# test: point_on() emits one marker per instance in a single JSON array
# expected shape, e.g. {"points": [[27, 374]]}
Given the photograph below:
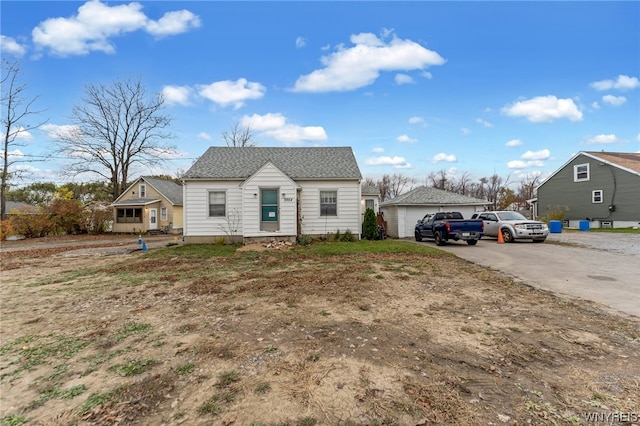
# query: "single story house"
{"points": [[402, 212], [260, 193], [602, 188], [149, 205]]}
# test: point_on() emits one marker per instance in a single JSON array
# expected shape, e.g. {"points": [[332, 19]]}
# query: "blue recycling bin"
{"points": [[555, 226], [584, 225]]}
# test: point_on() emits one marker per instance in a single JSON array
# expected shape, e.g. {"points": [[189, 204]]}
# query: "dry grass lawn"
{"points": [[367, 333]]}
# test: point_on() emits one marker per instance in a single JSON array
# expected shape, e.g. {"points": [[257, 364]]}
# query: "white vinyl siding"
{"points": [[269, 177], [197, 221], [348, 214], [240, 199]]}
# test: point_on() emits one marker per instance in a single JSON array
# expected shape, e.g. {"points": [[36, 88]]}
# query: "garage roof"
{"points": [[424, 195]]}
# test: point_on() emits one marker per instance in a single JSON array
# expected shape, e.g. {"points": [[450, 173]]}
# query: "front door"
{"points": [[153, 218], [269, 217]]}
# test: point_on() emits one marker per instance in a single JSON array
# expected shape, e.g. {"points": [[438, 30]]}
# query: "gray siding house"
{"points": [[402, 212], [259, 193], [600, 187]]}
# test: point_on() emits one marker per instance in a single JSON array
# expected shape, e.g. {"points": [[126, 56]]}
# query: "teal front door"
{"points": [[269, 217]]}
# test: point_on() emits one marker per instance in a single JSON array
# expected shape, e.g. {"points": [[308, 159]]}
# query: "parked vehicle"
{"points": [[445, 226], [513, 226]]}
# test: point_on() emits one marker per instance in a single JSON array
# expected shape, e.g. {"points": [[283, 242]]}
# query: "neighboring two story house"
{"points": [[258, 193], [149, 205], [602, 188]]}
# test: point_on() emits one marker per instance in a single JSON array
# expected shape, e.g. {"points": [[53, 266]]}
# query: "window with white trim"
{"points": [[217, 204], [143, 190], [581, 172], [369, 204], [163, 214], [596, 196], [328, 203]]}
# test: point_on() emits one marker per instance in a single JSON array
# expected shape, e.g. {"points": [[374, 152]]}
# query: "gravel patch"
{"points": [[625, 244]]}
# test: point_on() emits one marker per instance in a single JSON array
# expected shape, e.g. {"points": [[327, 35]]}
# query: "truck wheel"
{"points": [[418, 236], [506, 235], [472, 242], [438, 238]]}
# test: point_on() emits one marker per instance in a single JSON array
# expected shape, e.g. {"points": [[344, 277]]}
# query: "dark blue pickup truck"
{"points": [[445, 226]]}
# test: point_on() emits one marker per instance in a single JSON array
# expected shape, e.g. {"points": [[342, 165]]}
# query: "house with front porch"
{"points": [[149, 205]]}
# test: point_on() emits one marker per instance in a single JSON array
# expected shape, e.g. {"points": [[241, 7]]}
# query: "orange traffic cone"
{"points": [[500, 237]]}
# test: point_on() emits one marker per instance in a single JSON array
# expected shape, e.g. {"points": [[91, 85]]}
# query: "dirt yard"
{"points": [[179, 335]]}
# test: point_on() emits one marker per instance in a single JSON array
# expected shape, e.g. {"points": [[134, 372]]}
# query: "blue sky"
{"points": [[514, 88]]}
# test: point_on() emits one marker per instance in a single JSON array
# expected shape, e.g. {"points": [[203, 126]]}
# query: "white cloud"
{"points": [[396, 162], [514, 142], [543, 109], [378, 150], [277, 127], [530, 159], [204, 135], [23, 134], [427, 75], [235, 93], [519, 164], [483, 123], [92, 28], [10, 45], [638, 137], [359, 66], [465, 131], [16, 154], [622, 83], [403, 79], [543, 154], [56, 131], [595, 105], [602, 139], [177, 95], [171, 23], [438, 158], [300, 42], [416, 120], [406, 139], [614, 100]]}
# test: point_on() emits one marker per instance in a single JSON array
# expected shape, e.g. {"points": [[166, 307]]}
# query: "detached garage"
{"points": [[402, 212]]}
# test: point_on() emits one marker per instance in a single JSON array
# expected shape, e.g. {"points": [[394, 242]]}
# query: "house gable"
{"points": [[594, 186], [254, 208]]}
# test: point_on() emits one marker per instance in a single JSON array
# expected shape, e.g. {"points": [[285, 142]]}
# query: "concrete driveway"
{"points": [[600, 267]]}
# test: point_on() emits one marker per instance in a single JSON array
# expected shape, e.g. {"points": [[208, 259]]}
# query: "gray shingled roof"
{"points": [[171, 190], [368, 189], [425, 195], [297, 163]]}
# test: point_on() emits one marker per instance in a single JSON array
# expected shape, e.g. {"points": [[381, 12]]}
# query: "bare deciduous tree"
{"points": [[390, 186], [492, 187], [238, 136], [117, 127], [16, 111], [527, 188]]}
